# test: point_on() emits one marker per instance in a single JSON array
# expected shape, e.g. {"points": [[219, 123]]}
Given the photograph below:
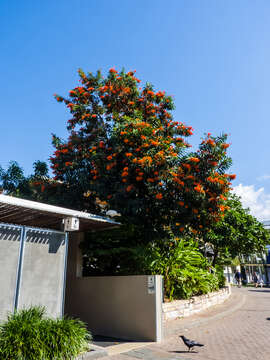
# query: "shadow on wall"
{"points": [[53, 240], [8, 233]]}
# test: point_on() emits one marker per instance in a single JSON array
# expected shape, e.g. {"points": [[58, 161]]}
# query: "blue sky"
{"points": [[212, 56]]}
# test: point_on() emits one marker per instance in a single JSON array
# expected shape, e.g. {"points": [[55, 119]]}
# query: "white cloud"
{"points": [[263, 177], [258, 201]]}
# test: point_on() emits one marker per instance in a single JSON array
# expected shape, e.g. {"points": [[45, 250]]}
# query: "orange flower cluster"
{"points": [[129, 188], [210, 142], [186, 166], [215, 180], [110, 166], [189, 177], [199, 188], [146, 160], [193, 159]]}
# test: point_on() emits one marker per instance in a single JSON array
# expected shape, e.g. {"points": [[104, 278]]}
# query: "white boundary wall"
{"points": [[127, 307]]}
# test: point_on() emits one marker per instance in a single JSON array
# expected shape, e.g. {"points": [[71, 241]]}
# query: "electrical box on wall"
{"points": [[71, 224]]}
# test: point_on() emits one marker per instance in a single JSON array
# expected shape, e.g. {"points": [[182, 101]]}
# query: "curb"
{"points": [[126, 347], [183, 308], [96, 352], [199, 322]]}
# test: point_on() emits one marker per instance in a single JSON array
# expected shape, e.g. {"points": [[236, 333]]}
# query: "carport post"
{"points": [[19, 268], [65, 274]]}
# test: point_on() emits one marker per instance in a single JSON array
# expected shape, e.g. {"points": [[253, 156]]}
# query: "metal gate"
{"points": [[32, 269]]}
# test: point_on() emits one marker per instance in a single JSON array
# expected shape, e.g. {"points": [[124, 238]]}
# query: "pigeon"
{"points": [[190, 343]]}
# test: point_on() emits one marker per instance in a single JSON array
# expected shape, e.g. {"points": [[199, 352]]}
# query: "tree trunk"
{"points": [[215, 258]]}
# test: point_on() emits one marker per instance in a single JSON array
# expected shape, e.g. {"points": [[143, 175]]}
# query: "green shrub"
{"points": [[29, 335], [192, 282], [220, 276], [184, 269]]}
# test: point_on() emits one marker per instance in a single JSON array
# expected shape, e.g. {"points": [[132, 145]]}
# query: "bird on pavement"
{"points": [[189, 343]]}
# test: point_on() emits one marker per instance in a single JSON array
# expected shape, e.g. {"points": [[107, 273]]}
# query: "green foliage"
{"points": [[114, 257], [237, 234], [220, 276], [38, 186], [116, 251], [186, 272], [13, 180], [15, 183], [40, 169], [29, 335]]}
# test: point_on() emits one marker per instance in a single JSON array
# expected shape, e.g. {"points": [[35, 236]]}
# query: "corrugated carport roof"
{"points": [[31, 213]]}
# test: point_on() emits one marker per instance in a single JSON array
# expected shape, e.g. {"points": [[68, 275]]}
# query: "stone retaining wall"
{"points": [[183, 308]]}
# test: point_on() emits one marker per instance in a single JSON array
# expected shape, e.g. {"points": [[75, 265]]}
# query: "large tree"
{"points": [[125, 152]]}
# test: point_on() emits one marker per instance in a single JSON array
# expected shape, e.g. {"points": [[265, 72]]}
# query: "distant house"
{"points": [[252, 264]]}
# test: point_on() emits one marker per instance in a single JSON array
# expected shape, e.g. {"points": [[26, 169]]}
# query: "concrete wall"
{"points": [[32, 269], [9, 256], [127, 307], [43, 271]]}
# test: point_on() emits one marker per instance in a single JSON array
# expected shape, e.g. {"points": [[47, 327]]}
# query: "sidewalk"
{"points": [[242, 334], [238, 329], [235, 301]]}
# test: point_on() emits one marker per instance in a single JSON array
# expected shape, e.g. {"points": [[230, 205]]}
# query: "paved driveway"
{"points": [[237, 330]]}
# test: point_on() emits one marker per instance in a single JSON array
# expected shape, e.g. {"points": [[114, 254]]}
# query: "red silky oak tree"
{"points": [[126, 152]]}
